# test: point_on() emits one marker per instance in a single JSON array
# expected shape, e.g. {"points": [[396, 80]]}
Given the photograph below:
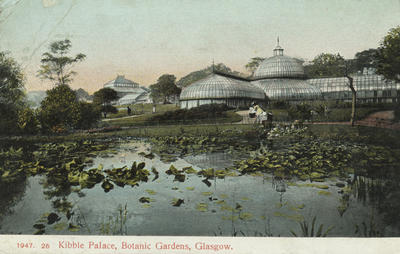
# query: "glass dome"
{"points": [[279, 66], [288, 89], [216, 86]]}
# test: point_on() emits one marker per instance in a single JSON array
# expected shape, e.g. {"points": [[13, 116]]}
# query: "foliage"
{"points": [[61, 111], [365, 59], [164, 88], [253, 64], [200, 74], [300, 112], [89, 114], [103, 97], [56, 65], [211, 111], [28, 122], [326, 65], [388, 55], [11, 93]]}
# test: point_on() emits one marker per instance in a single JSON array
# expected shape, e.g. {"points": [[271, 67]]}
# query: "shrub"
{"points": [[28, 122], [210, 111]]}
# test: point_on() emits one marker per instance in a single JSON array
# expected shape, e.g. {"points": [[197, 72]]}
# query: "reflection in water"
{"points": [[57, 205], [279, 185], [11, 193]]}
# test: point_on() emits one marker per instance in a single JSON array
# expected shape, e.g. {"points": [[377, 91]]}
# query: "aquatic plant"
{"points": [[311, 230]]}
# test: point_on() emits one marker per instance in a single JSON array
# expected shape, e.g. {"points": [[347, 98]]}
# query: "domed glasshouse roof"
{"points": [[288, 89], [279, 66], [219, 86]]}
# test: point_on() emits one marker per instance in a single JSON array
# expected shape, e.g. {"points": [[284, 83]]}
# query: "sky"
{"points": [[146, 39]]}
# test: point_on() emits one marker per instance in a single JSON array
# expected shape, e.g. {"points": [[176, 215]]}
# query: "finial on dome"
{"points": [[278, 51]]}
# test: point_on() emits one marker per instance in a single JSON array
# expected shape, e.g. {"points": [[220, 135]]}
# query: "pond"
{"points": [[204, 193]]}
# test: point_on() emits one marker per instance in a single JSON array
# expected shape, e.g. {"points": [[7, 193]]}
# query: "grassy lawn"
{"points": [[335, 114], [145, 120]]}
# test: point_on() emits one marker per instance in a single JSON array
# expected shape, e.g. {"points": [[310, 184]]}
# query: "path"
{"points": [[117, 118]]}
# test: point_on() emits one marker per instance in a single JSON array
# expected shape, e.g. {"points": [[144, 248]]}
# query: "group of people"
{"points": [[255, 111]]}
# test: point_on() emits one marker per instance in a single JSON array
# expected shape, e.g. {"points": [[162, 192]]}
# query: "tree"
{"points": [[11, 93], [197, 75], [56, 65], [103, 99], [164, 88], [388, 55], [326, 65], [253, 64], [365, 59], [61, 111]]}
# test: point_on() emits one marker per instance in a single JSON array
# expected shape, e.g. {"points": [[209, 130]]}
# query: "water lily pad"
{"points": [[230, 217], [326, 193], [39, 232], [107, 186], [60, 226], [202, 207], [221, 202], [146, 205], [207, 193], [151, 192], [73, 228], [179, 177], [295, 217], [208, 183], [149, 156], [39, 226], [144, 200], [223, 196], [172, 170], [178, 202], [189, 170], [52, 217], [245, 216], [190, 188]]}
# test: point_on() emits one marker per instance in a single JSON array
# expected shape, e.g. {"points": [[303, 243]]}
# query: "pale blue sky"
{"points": [[145, 39]]}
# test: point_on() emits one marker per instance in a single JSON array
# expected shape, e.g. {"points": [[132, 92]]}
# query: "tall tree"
{"points": [[365, 59], [326, 65], [11, 92], [164, 88], [388, 55], [103, 98], [56, 65], [253, 64]]}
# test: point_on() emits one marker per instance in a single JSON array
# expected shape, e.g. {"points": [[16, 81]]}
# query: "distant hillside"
{"points": [[83, 95], [197, 75], [34, 98]]}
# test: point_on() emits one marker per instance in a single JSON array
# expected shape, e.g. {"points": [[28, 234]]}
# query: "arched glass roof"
{"points": [[216, 86], [288, 89], [279, 66]]}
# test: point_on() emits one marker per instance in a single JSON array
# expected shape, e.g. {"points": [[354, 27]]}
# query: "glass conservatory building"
{"points": [[370, 88], [128, 91], [283, 79], [220, 88]]}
